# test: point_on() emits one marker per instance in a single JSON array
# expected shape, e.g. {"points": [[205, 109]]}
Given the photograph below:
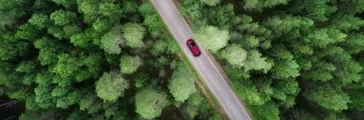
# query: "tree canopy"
{"points": [[111, 86], [182, 85], [212, 38], [89, 59], [149, 103]]}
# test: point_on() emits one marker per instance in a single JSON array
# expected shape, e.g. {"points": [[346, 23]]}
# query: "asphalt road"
{"points": [[204, 65]]}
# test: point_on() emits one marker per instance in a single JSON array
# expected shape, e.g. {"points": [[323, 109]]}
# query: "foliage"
{"points": [[110, 41], [211, 2], [235, 55], [288, 59], [86, 59], [149, 103], [212, 38], [129, 64], [111, 86], [133, 34], [182, 85], [62, 18]]}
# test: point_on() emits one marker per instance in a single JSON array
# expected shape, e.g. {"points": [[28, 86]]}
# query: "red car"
{"points": [[193, 47]]}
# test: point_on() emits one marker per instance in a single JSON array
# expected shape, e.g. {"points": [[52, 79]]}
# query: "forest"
{"points": [[287, 59], [92, 59], [115, 59]]}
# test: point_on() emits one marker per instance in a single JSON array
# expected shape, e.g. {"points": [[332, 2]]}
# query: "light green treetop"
{"points": [[133, 34], [235, 55], [182, 85], [212, 38], [149, 103], [111, 86], [129, 64]]}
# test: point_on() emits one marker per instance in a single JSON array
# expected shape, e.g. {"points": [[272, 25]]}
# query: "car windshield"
{"points": [[192, 44]]}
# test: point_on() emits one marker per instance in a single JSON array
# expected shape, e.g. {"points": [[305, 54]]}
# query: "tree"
{"points": [[110, 41], [255, 61], [133, 34], [39, 20], [111, 86], [286, 24], [10, 47], [102, 25], [268, 111], [346, 22], [62, 18], [318, 10], [10, 11], [196, 98], [27, 32], [260, 4], [211, 2], [235, 55], [146, 9], [110, 9], [129, 64], [66, 3], [80, 40], [149, 103], [67, 65], [26, 67], [182, 85], [89, 9], [190, 110], [323, 37], [129, 6], [328, 97], [212, 38]]}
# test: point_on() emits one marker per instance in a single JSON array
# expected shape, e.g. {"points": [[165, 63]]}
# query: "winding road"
{"points": [[204, 64]]}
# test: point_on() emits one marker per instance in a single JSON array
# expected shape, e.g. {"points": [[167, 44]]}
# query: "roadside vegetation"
{"points": [[287, 59], [92, 59]]}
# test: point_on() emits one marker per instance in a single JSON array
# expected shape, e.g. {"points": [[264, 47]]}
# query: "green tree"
{"points": [[255, 61], [39, 20], [10, 11], [133, 34], [66, 3], [235, 55], [66, 65], [89, 9], [111, 86], [211, 2], [182, 85], [10, 47], [110, 9], [212, 38], [129, 6], [110, 41], [102, 25], [80, 40], [268, 111], [62, 18], [26, 67], [318, 10], [149, 103], [328, 97], [129, 64]]}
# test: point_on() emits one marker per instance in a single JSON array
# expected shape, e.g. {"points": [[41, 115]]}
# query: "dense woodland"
{"points": [[92, 59], [287, 59], [114, 59]]}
